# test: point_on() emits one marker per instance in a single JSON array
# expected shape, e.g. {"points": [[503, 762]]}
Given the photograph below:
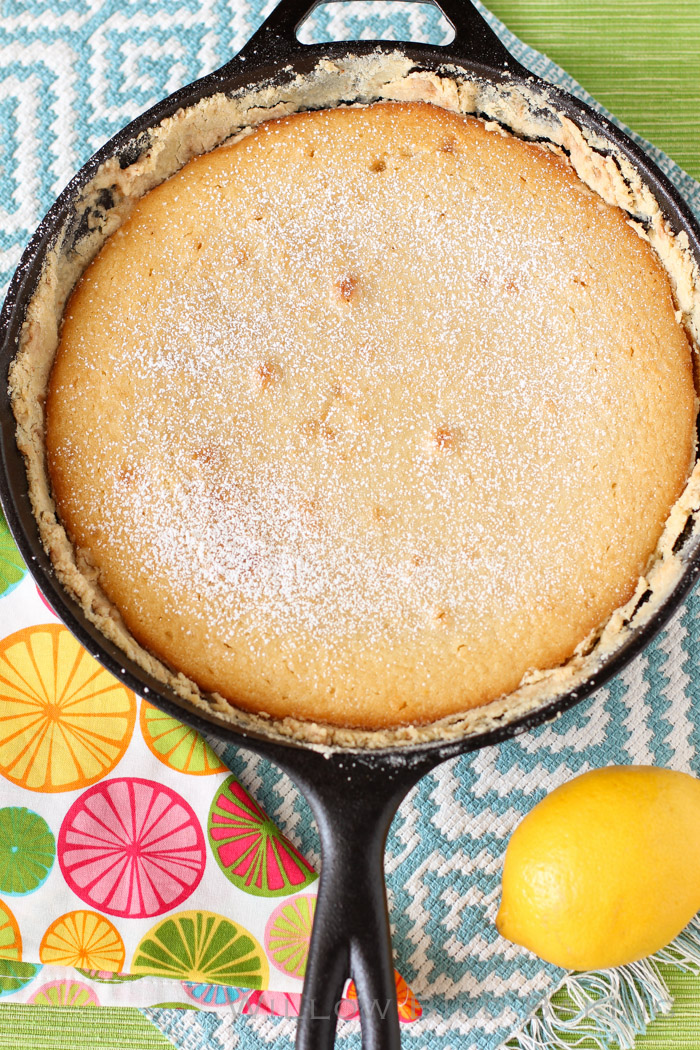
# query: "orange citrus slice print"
{"points": [[176, 745], [14, 974], [10, 937], [83, 939], [65, 722], [408, 1006]]}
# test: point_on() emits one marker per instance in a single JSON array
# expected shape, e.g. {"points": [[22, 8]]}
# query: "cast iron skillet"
{"points": [[353, 793]]}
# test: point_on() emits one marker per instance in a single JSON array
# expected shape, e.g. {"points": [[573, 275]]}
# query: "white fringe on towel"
{"points": [[608, 1006]]}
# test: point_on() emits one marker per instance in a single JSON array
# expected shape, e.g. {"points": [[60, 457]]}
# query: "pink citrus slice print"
{"points": [[131, 847], [288, 1004], [279, 1004], [106, 977], [43, 599], [288, 934], [250, 850], [64, 993]]}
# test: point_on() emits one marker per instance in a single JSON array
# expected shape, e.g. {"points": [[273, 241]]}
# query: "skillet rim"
{"points": [[274, 65]]}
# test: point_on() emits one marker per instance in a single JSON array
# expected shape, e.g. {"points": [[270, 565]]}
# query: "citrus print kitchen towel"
{"points": [[134, 868]]}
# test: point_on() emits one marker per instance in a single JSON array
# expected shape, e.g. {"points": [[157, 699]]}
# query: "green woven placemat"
{"points": [[71, 1027], [679, 1030], [639, 58]]}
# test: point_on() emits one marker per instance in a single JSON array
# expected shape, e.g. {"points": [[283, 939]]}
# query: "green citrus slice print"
{"points": [[288, 934], [16, 975], [173, 1006], [250, 849], [64, 993], [27, 850], [12, 568], [176, 745], [202, 946]]}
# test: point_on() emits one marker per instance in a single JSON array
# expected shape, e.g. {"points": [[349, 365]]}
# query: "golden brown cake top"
{"points": [[364, 416]]}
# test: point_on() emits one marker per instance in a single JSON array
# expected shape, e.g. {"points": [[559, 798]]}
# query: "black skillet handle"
{"points": [[474, 39], [350, 933], [354, 799]]}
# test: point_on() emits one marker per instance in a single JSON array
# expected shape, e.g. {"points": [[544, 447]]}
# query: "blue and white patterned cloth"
{"points": [[72, 72]]}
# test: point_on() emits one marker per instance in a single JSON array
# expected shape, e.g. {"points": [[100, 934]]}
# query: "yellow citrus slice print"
{"points": [[201, 946], [176, 745], [10, 937], [65, 722], [83, 939]]}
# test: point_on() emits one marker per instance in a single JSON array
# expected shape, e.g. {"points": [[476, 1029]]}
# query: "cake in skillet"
{"points": [[366, 415]]}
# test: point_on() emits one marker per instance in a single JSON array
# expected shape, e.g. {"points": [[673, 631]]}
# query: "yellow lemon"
{"points": [[605, 869]]}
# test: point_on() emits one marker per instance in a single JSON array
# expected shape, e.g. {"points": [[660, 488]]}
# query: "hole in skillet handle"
{"points": [[414, 21], [474, 40]]}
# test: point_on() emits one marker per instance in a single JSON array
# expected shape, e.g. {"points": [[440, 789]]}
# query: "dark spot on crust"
{"points": [[444, 438], [346, 287], [268, 373]]}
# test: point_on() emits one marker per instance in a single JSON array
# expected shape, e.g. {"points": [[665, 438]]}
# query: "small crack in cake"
{"points": [[366, 415]]}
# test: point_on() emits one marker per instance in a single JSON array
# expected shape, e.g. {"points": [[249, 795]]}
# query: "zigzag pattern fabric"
{"points": [[72, 73]]}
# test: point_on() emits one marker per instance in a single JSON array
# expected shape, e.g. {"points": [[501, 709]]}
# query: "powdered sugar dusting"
{"points": [[372, 392]]}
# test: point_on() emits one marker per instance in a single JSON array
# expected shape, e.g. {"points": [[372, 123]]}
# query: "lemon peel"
{"points": [[605, 870]]}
